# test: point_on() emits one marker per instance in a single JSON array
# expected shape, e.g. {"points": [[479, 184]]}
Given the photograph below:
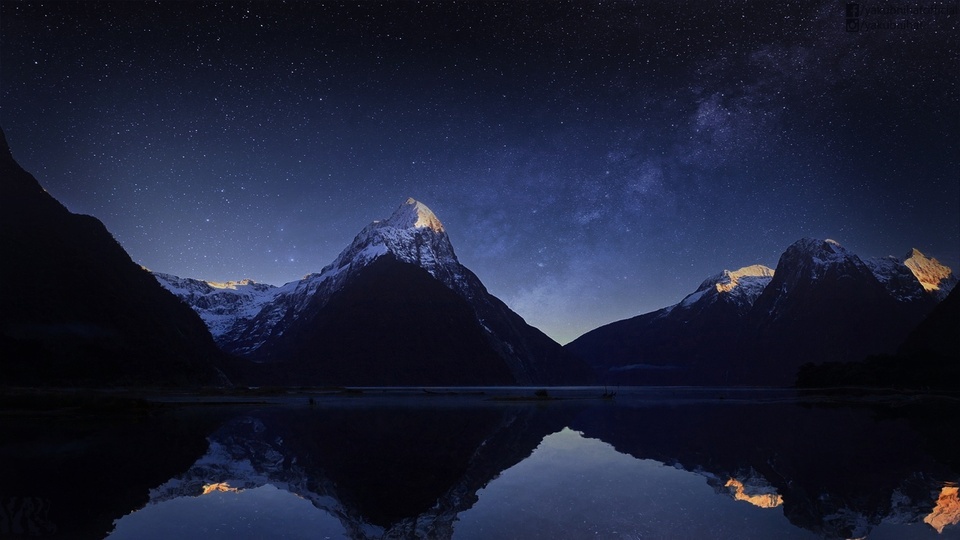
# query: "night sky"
{"points": [[590, 161]]}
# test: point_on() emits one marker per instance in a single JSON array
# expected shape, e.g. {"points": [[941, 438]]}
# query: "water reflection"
{"points": [[261, 512], [399, 469], [71, 475], [840, 471], [465, 467], [947, 510], [578, 487], [756, 491]]}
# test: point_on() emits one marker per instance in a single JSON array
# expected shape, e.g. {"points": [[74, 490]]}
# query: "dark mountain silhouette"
{"points": [[76, 309], [824, 304], [939, 334], [688, 343], [928, 359], [393, 324], [757, 327], [395, 308]]}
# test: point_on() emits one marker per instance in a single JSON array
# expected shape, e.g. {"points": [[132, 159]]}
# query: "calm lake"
{"points": [[501, 463]]}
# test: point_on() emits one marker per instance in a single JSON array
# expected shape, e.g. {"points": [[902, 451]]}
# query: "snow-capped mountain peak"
{"points": [[294, 324], [746, 276], [813, 258], [913, 277], [933, 276], [412, 234], [413, 214], [240, 285], [219, 304], [822, 251], [740, 287], [896, 278]]}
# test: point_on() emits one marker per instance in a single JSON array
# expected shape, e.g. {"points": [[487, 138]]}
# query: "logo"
{"points": [[853, 17]]}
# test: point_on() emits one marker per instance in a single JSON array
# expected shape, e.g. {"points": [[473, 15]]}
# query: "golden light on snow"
{"points": [[762, 500], [947, 510], [929, 272], [229, 284], [219, 486], [425, 216], [726, 287], [732, 279]]}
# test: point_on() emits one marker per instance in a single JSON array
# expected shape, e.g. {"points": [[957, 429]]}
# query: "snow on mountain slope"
{"points": [[413, 234], [246, 312], [913, 277], [935, 277], [744, 280], [896, 277], [822, 302], [807, 264], [909, 279], [813, 257], [739, 287], [283, 324], [220, 305]]}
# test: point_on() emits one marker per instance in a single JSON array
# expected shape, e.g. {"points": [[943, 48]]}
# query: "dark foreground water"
{"points": [[650, 463]]}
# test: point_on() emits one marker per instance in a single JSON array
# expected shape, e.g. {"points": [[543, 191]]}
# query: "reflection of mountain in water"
{"points": [[755, 490], [837, 471], [407, 467], [384, 471], [947, 510], [72, 475]]}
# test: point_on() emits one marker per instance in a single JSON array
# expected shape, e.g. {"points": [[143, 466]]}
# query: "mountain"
{"points": [[939, 334], [76, 309], [913, 277], [825, 304], [928, 358], [220, 305], [757, 326], [396, 307], [679, 344], [897, 278]]}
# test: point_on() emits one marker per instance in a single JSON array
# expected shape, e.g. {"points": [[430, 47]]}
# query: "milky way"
{"points": [[590, 161]]}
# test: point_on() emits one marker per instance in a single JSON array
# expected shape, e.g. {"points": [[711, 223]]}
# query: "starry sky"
{"points": [[590, 161]]}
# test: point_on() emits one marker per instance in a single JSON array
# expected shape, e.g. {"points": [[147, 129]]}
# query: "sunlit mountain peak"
{"points": [[931, 274], [729, 280], [231, 284], [414, 214]]}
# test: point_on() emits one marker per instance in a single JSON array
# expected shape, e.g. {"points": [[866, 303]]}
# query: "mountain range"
{"points": [[396, 307], [757, 326]]}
